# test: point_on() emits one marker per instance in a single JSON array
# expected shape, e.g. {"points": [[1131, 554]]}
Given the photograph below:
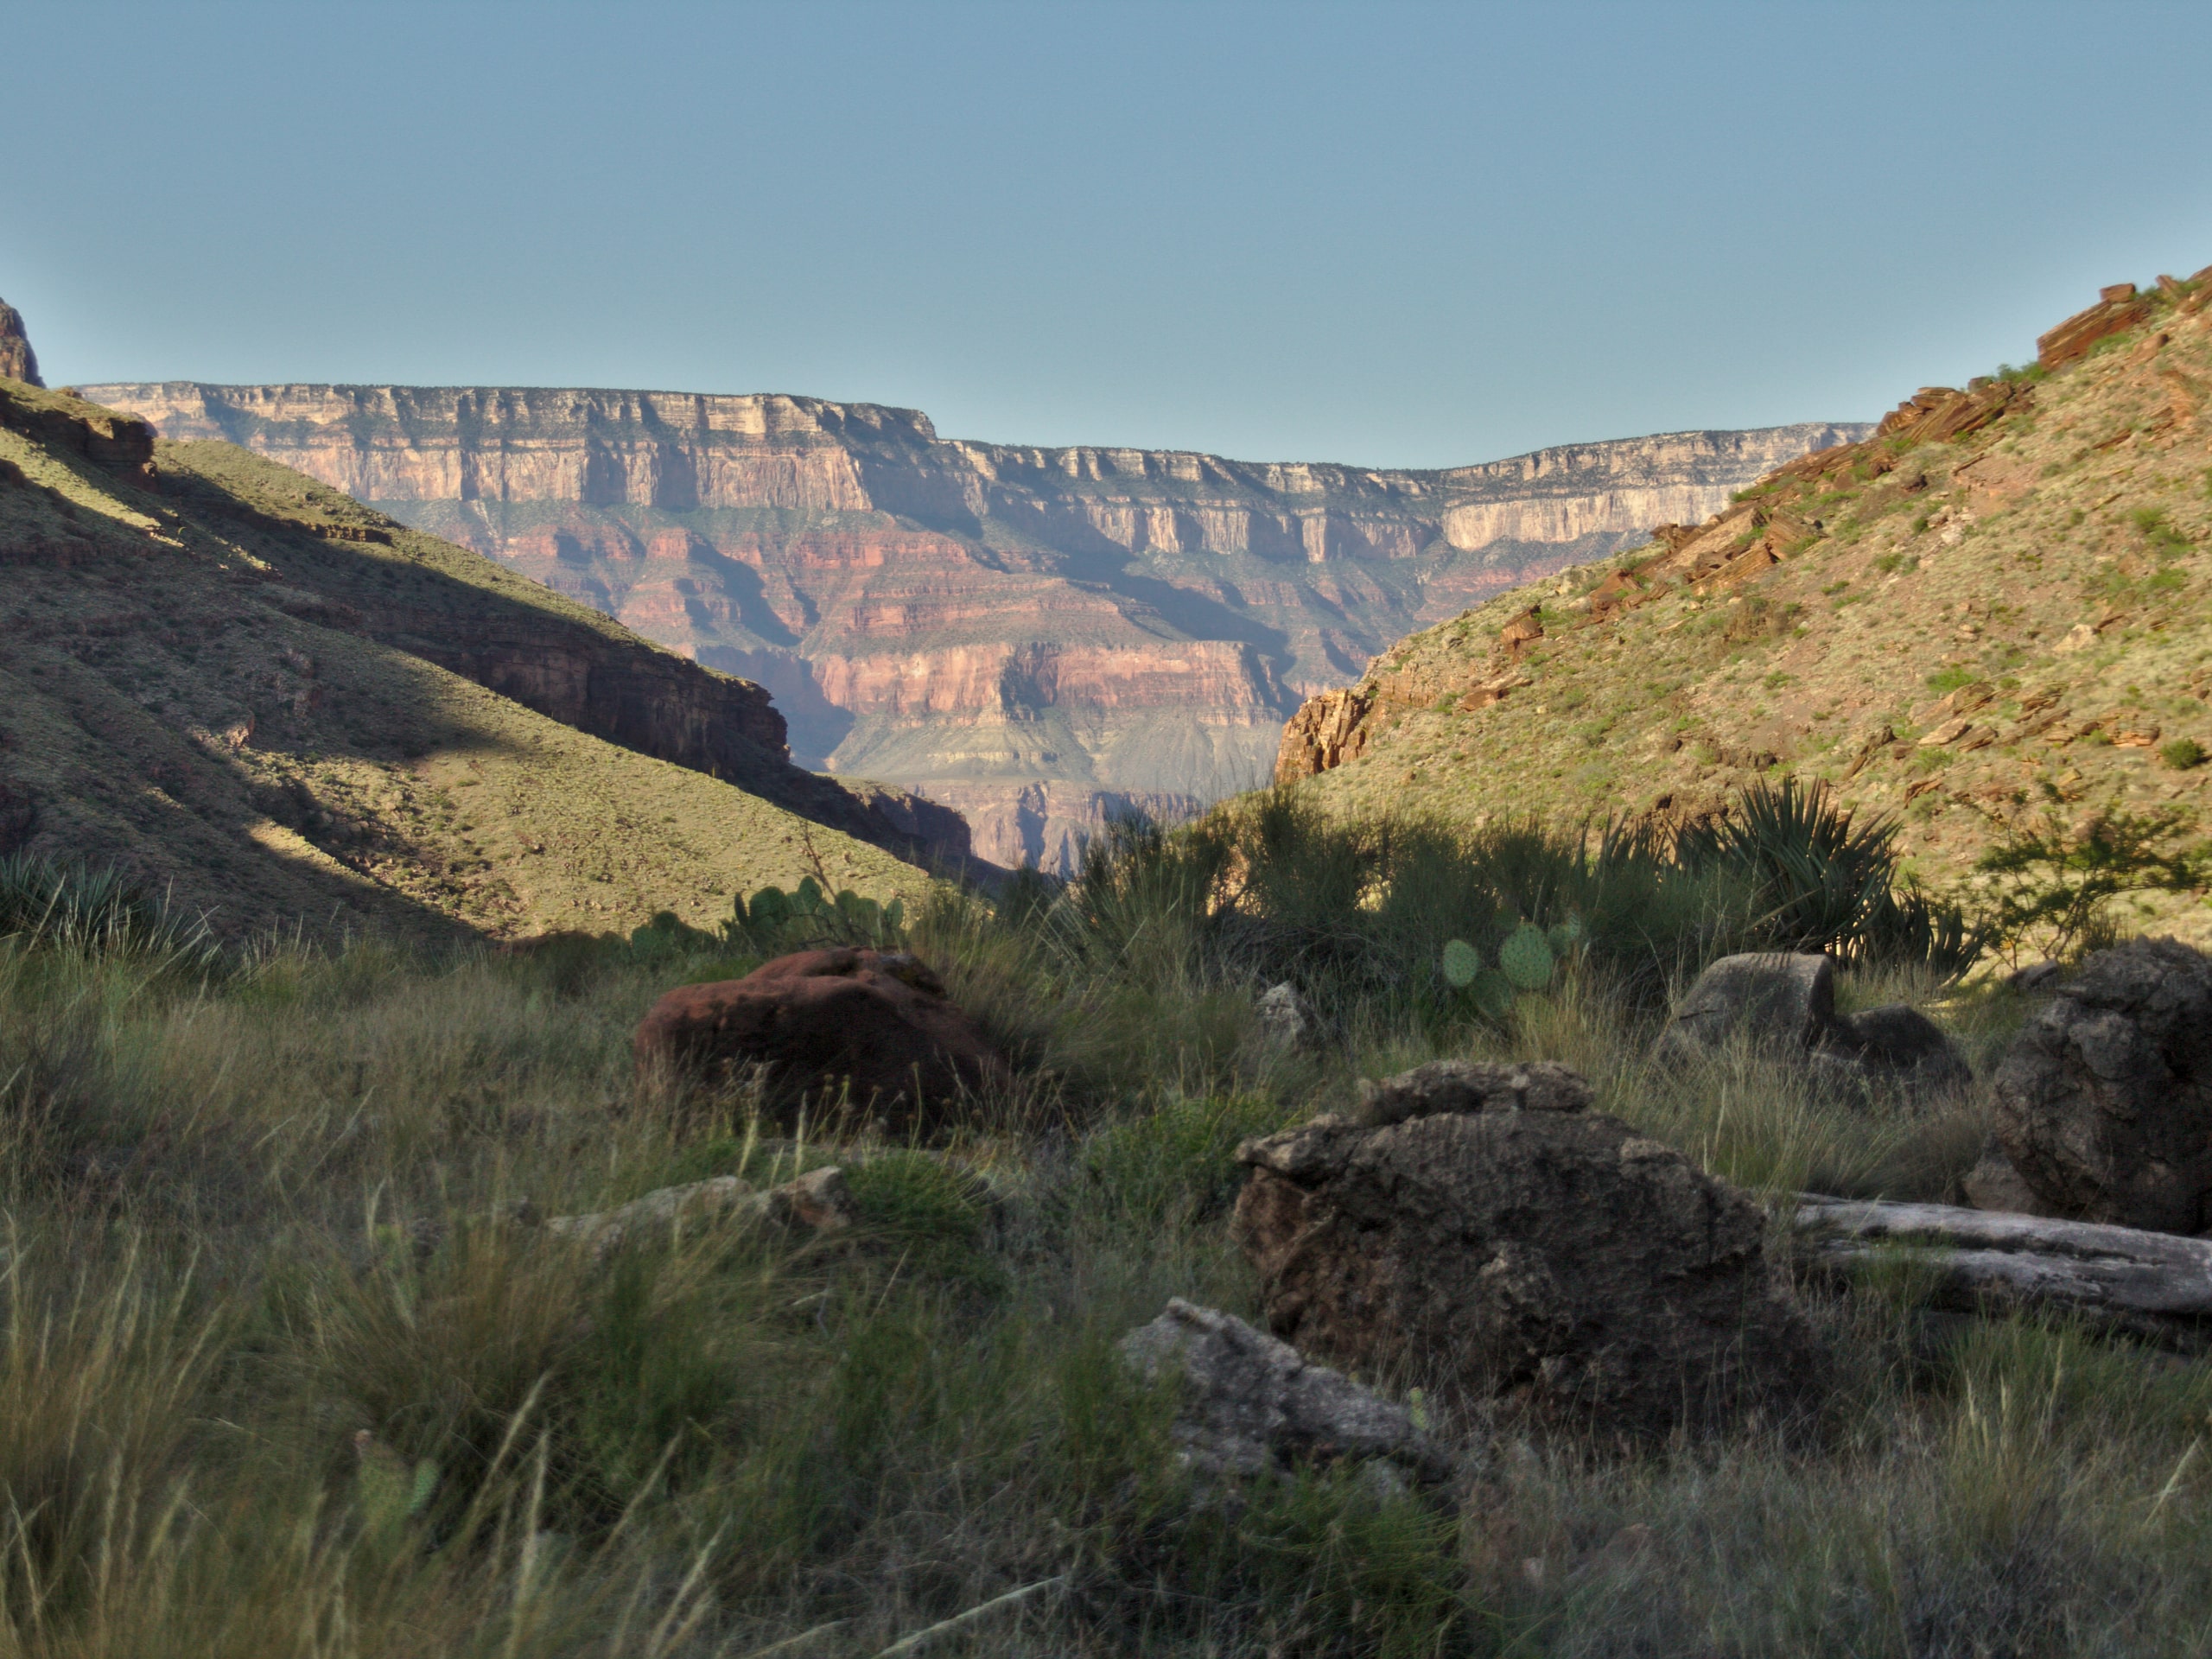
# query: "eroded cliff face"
{"points": [[17, 360], [953, 616]]}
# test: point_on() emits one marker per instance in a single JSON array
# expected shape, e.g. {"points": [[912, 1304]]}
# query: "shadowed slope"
{"points": [[252, 690]]}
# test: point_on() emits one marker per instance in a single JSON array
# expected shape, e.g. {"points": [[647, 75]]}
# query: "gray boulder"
{"points": [[2104, 1101], [1251, 1404], [1783, 1003], [1893, 1046], [1553, 1261], [1287, 1020], [1775, 999]]}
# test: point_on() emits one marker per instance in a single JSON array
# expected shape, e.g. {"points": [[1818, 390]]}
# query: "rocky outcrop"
{"points": [[828, 1034], [945, 614], [1522, 1249], [2117, 308], [1326, 731], [2104, 1103], [17, 360], [121, 443]]}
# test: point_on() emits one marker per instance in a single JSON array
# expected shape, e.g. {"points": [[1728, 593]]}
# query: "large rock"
{"points": [[1994, 1186], [1772, 998], [1551, 1258], [1251, 1404], [17, 360], [1783, 1003], [2104, 1103], [842, 1030], [1285, 1019]]}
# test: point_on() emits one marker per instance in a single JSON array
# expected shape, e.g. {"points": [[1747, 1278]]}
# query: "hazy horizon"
{"points": [[1387, 236]]}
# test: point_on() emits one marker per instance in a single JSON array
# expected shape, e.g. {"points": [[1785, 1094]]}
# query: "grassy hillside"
{"points": [[1968, 628], [188, 689], [286, 1370]]}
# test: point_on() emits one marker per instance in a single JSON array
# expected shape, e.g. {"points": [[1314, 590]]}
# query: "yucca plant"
{"points": [[1826, 879], [57, 902]]}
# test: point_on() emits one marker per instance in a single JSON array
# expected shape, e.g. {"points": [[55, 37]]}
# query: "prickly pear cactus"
{"points": [[1493, 995], [1462, 962], [769, 909], [1526, 958]]}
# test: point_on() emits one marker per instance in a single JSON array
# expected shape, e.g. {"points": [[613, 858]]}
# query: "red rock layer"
{"points": [[871, 573]]}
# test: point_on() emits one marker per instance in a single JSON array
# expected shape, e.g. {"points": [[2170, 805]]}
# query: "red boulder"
{"points": [[863, 1031]]}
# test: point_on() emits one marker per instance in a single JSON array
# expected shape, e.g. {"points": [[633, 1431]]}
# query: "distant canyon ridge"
{"points": [[1043, 638]]}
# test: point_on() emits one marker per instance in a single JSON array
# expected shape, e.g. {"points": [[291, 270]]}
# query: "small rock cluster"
{"points": [[1783, 1003], [819, 1201]]}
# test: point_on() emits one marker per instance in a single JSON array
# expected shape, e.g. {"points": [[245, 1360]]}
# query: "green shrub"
{"points": [[2183, 753], [935, 1215], [1265, 889], [1827, 880], [2054, 881], [1177, 1162]]}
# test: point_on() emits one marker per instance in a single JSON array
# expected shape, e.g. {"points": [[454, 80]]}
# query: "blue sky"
{"points": [[1393, 235]]}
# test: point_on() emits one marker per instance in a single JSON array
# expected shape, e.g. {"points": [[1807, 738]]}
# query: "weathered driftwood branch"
{"points": [[2157, 1286]]}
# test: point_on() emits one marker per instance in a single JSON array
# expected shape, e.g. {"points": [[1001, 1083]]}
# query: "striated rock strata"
{"points": [[949, 615]]}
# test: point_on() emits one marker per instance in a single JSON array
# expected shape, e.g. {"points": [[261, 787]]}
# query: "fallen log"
{"points": [[2154, 1286]]}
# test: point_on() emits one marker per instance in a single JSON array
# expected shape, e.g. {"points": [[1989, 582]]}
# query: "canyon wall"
{"points": [[1052, 637]]}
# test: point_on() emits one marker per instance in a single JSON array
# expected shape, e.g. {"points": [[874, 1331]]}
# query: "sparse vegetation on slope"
{"points": [[1991, 608], [257, 696]]}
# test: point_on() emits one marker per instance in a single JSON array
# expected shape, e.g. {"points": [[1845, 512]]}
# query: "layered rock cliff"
{"points": [[1117, 623]]}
